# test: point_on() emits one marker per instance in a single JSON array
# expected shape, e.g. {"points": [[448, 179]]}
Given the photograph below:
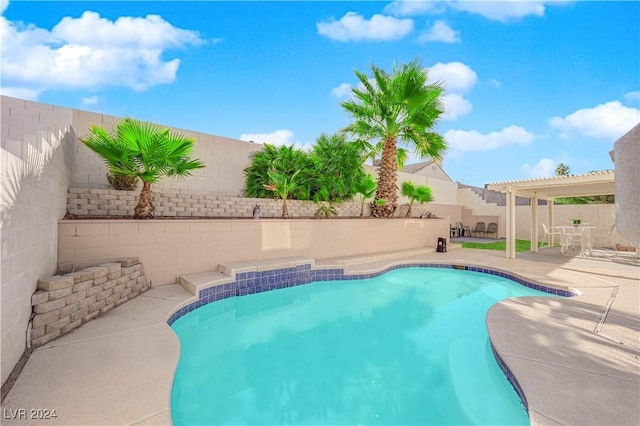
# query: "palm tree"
{"points": [[336, 167], [420, 193], [366, 187], [562, 170], [282, 185], [372, 152], [285, 159], [401, 106], [145, 151]]}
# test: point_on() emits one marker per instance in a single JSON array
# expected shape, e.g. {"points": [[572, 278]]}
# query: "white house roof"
{"points": [[593, 183]]}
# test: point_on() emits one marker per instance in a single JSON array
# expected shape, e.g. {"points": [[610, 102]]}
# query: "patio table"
{"points": [[572, 235]]}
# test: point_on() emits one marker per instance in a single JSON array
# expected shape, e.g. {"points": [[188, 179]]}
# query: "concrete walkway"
{"points": [[118, 369]]}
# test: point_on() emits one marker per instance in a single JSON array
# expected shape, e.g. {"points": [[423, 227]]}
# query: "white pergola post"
{"points": [[511, 224], [550, 221], [534, 222]]}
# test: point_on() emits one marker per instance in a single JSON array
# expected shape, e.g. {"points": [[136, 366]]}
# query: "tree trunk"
{"points": [[409, 210], [144, 209], [285, 209], [387, 178], [362, 207]]}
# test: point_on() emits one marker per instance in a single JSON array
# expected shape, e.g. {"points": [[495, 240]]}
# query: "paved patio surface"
{"points": [[118, 369]]}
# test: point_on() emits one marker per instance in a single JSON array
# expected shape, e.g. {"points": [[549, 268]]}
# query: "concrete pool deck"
{"points": [[118, 369]]}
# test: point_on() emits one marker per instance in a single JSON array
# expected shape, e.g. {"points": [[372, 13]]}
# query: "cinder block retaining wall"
{"points": [[109, 202], [64, 302]]}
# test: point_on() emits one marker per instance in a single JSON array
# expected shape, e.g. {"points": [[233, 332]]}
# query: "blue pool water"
{"points": [[409, 347]]}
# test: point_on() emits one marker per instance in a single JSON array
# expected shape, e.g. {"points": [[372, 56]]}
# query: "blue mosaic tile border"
{"points": [[258, 282], [510, 376]]}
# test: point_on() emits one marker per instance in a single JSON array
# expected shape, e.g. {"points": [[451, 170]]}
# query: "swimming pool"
{"points": [[406, 347]]}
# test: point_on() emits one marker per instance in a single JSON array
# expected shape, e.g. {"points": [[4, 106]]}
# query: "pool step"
{"points": [[226, 272]]}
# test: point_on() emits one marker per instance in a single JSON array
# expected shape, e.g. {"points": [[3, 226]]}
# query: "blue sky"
{"points": [[528, 84]]}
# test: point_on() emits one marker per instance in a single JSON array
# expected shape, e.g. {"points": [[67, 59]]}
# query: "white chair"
{"points": [[550, 232]]}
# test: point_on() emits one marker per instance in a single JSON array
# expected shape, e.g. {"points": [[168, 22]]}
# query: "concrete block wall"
{"points": [[108, 202], [37, 158], [65, 302]]}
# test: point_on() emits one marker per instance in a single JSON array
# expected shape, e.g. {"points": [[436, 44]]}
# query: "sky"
{"points": [[528, 85]]}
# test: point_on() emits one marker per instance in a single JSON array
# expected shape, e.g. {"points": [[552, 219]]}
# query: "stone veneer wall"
{"points": [[109, 202], [64, 302]]}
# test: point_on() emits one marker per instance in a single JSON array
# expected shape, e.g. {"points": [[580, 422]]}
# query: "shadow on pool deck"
{"points": [[118, 369]]}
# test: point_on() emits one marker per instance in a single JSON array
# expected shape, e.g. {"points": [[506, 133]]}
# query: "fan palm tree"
{"points": [[145, 151], [420, 193], [372, 152], [366, 187], [562, 170], [399, 107], [282, 185]]}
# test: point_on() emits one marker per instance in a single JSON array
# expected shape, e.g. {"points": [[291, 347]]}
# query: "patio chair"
{"points": [[548, 232], [492, 228], [479, 229], [454, 231], [463, 230]]}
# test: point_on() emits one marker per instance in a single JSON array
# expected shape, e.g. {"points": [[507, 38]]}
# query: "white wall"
{"points": [[168, 249], [36, 162], [444, 191], [627, 161], [601, 216]]}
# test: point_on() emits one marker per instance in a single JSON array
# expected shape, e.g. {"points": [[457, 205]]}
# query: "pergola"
{"points": [[594, 183]]}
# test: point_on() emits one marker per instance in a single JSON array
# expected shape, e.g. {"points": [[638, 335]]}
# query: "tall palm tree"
{"points": [[145, 151], [372, 152], [399, 107]]}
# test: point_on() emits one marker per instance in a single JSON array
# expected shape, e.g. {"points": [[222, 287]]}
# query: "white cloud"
{"points": [[341, 91], [440, 31], [92, 100], [455, 106], [151, 32], [277, 138], [91, 52], [632, 96], [607, 121], [503, 10], [3, 5], [494, 83], [462, 140], [21, 93], [494, 10], [354, 27], [414, 7], [546, 167], [456, 76]]}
